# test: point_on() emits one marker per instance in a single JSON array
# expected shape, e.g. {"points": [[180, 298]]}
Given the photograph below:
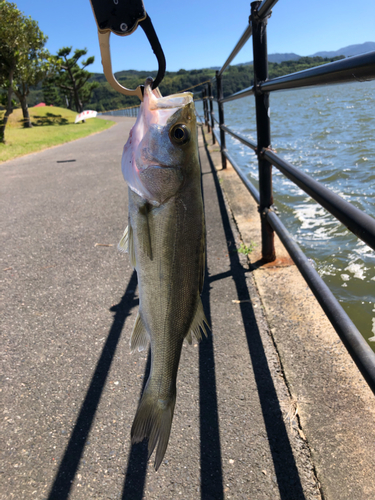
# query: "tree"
{"points": [[32, 67], [51, 95], [11, 36], [73, 79], [21, 56]]}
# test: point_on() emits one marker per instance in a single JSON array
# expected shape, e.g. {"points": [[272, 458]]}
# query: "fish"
{"points": [[165, 239]]}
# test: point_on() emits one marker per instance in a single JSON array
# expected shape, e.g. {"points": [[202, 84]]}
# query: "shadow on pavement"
{"points": [[135, 475], [287, 475], [210, 450], [69, 464], [211, 467]]}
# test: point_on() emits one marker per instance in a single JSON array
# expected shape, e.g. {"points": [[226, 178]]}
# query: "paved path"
{"points": [[70, 386]]}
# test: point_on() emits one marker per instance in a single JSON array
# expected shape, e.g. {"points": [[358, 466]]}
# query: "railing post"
{"points": [[204, 105], [259, 29], [209, 87], [205, 109], [221, 119]]}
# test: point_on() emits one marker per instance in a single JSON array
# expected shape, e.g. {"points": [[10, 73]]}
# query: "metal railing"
{"points": [[129, 111], [358, 68]]}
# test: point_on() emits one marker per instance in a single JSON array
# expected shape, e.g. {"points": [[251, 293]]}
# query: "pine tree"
{"points": [[72, 79]]}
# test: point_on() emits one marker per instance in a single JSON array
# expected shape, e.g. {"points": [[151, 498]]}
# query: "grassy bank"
{"points": [[51, 126]]}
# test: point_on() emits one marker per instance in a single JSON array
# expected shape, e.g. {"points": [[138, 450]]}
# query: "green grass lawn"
{"points": [[51, 126]]}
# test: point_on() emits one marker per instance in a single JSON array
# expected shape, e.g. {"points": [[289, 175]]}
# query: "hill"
{"points": [[349, 51], [276, 58], [236, 78]]}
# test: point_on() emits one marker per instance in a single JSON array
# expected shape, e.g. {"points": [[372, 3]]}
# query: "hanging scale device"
{"points": [[122, 17]]}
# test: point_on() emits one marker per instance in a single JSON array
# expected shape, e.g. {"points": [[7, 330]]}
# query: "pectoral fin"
{"points": [[143, 230], [123, 245], [198, 323], [127, 244], [140, 338]]}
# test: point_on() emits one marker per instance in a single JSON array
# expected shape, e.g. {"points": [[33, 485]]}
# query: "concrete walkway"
{"points": [[70, 386]]}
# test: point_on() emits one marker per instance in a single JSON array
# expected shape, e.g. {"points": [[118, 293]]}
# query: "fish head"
{"points": [[161, 151]]}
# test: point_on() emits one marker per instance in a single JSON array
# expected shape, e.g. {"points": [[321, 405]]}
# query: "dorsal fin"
{"points": [[198, 323]]}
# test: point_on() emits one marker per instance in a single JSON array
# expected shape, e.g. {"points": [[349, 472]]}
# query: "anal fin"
{"points": [[139, 338]]}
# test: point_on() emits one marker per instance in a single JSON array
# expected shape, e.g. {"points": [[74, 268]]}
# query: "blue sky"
{"points": [[199, 34]]}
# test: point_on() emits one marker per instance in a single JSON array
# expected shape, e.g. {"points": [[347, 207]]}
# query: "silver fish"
{"points": [[165, 239]]}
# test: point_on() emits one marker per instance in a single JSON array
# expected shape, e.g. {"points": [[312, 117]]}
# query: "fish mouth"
{"points": [[154, 100]]}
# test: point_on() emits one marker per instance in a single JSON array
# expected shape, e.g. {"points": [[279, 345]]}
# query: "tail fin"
{"points": [[153, 420]]}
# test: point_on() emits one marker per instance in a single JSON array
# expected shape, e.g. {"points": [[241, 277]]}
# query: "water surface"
{"points": [[329, 133]]}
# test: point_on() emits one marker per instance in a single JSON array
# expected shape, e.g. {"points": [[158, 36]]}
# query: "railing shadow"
{"points": [[210, 450], [135, 475], [69, 464], [287, 475]]}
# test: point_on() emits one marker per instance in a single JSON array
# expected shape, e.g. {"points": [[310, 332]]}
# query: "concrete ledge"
{"points": [[334, 406]]}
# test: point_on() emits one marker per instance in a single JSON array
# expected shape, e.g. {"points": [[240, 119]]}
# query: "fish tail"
{"points": [[153, 420]]}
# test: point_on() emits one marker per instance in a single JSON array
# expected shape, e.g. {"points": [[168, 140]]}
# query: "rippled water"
{"points": [[329, 133]]}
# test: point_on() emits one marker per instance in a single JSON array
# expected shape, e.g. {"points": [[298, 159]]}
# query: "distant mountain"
{"points": [[350, 50], [279, 58], [275, 58]]}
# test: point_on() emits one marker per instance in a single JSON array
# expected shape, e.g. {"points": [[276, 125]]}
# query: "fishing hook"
{"points": [[122, 18]]}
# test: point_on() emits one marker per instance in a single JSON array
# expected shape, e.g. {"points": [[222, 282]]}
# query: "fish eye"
{"points": [[179, 134]]}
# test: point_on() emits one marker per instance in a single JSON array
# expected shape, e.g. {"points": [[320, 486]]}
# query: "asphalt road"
{"points": [[69, 385]]}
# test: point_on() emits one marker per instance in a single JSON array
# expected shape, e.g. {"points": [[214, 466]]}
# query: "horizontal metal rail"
{"points": [[248, 184], [361, 352], [241, 42], [200, 120], [265, 7], [358, 222], [216, 120], [357, 68], [217, 136], [239, 137], [239, 95]]}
